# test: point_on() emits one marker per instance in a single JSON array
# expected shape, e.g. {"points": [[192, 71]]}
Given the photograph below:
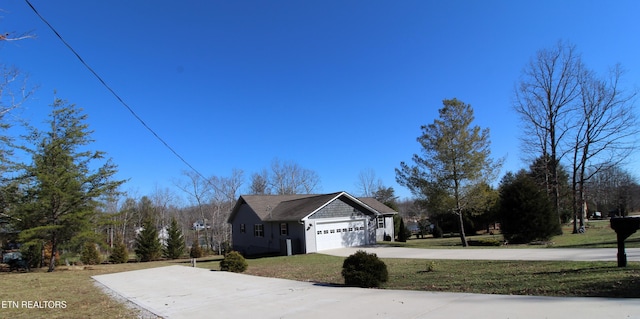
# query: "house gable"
{"points": [[336, 209]]}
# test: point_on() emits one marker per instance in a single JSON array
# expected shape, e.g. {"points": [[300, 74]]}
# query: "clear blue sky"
{"points": [[336, 86]]}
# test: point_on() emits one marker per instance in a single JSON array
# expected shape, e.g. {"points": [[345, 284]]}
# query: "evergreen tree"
{"points": [[196, 250], [455, 156], [148, 246], [175, 241], [90, 254], [119, 254], [526, 211], [61, 187], [404, 233]]}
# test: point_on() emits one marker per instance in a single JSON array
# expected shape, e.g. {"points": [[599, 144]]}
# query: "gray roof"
{"points": [[296, 207]]}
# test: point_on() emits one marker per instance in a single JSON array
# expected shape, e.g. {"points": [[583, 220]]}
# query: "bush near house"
{"points": [[364, 270], [234, 262]]}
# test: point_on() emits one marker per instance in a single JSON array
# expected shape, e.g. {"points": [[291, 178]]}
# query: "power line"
{"points": [[112, 91]]}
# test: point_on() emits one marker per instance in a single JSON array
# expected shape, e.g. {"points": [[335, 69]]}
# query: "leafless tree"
{"points": [[291, 178], [224, 199], [200, 192], [603, 132], [613, 190], [368, 183], [544, 98]]}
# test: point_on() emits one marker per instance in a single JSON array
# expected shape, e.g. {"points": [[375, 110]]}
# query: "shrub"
{"points": [[403, 232], [526, 212], [437, 232], [119, 254], [90, 254], [234, 262], [196, 250], [431, 266], [364, 270]]}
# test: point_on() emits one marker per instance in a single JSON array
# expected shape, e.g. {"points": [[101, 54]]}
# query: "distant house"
{"points": [[302, 224]]}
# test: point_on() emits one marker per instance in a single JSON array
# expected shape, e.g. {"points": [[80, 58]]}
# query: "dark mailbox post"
{"points": [[624, 227]]}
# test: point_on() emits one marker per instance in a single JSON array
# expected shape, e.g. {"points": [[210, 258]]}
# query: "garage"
{"points": [[340, 234]]}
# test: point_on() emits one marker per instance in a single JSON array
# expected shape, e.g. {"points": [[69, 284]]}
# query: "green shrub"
{"points": [[364, 270], [437, 232], [485, 242], [526, 211], [90, 254], [119, 254], [196, 250], [234, 262], [431, 266]]}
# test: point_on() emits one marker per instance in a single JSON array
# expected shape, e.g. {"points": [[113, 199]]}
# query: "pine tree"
{"points": [[148, 246], [175, 241], [402, 235], [90, 255], [61, 187], [196, 250], [119, 254]]}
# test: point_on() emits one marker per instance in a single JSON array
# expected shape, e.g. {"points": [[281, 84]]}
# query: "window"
{"points": [[319, 232], [380, 222], [338, 230], [258, 230], [284, 229], [243, 228]]}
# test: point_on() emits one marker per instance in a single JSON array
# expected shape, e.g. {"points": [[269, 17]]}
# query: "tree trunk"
{"points": [[463, 237], [54, 248]]}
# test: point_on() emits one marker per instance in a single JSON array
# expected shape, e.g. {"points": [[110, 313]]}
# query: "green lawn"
{"points": [[598, 235], [585, 279]]}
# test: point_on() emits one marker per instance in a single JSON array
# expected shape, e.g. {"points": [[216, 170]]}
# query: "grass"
{"points": [[73, 285], [579, 279], [598, 235], [84, 299]]}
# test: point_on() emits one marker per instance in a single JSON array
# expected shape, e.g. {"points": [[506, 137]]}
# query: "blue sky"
{"points": [[335, 86]]}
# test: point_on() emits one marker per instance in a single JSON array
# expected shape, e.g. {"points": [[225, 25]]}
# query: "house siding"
{"points": [[336, 214], [273, 242]]}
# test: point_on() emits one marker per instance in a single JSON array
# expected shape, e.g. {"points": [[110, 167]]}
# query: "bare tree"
{"points": [[291, 178], [544, 99], [224, 198], [613, 190], [604, 132], [368, 183], [200, 192]]}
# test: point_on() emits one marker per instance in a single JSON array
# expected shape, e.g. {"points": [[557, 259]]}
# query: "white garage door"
{"points": [[340, 234]]}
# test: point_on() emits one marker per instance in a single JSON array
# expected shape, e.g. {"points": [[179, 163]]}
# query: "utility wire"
{"points": [[112, 91]]}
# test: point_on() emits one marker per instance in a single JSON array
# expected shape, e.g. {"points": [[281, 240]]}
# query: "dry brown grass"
{"points": [[71, 286]]}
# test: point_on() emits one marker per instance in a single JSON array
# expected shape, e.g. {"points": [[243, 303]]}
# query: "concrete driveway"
{"points": [[185, 292]]}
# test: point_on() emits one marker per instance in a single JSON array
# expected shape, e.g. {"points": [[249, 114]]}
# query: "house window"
{"points": [[258, 230], [380, 222], [284, 229], [243, 228]]}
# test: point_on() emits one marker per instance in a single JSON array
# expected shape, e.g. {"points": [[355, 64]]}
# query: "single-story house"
{"points": [[302, 224]]}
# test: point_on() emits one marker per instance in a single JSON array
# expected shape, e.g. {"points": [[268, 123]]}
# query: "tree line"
{"points": [[579, 128]]}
